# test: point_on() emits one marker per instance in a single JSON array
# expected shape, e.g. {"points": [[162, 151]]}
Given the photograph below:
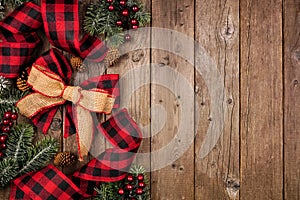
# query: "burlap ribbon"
{"points": [[50, 90]]}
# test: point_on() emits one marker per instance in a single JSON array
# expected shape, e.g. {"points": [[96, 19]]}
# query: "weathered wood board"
{"points": [[214, 86]]}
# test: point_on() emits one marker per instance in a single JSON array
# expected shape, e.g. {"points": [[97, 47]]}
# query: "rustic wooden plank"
{"points": [[134, 70], [172, 101], [291, 97], [261, 99], [217, 31]]}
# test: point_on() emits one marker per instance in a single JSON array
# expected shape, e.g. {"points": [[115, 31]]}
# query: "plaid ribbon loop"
{"points": [[111, 165], [19, 39], [50, 90]]}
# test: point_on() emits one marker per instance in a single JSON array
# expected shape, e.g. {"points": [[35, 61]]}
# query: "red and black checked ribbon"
{"points": [[60, 20], [57, 63], [49, 183], [18, 40], [41, 108]]}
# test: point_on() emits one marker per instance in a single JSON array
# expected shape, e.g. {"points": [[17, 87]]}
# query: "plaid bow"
{"points": [[111, 165], [51, 90], [60, 21], [19, 39]]}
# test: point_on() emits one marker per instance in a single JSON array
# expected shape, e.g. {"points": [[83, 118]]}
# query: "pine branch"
{"points": [[4, 83], [9, 4], [142, 17], [12, 3], [40, 155], [101, 22], [20, 140], [109, 191], [8, 98], [8, 171]]}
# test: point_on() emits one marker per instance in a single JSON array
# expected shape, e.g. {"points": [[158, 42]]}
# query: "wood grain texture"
{"points": [[133, 68], [217, 31], [174, 175], [261, 99], [291, 99], [249, 42]]}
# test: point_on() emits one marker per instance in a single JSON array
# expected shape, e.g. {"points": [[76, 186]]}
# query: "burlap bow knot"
{"points": [[50, 91]]}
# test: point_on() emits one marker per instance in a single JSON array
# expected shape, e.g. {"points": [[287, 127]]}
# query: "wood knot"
{"points": [[165, 61], [229, 101], [296, 56], [56, 124], [232, 187], [228, 29], [137, 55], [295, 82]]}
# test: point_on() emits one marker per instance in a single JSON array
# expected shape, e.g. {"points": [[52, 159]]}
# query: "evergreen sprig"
{"points": [[23, 156], [8, 170], [109, 191], [39, 155], [8, 98], [9, 4], [101, 22], [20, 140]]}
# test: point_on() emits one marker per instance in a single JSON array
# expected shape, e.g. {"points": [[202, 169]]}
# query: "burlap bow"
{"points": [[50, 90]]}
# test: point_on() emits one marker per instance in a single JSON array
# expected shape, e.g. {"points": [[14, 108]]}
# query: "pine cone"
{"points": [[65, 159], [77, 64], [22, 81], [112, 57]]}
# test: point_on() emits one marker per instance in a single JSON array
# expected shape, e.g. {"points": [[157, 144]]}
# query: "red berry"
{"points": [[109, 1], [111, 7], [122, 3], [132, 198], [140, 177], [129, 187], [135, 27], [127, 37], [7, 115], [133, 22], [5, 129], [119, 23], [14, 116], [135, 8], [11, 124], [1, 155], [3, 146], [121, 191], [3, 138], [6, 122], [129, 177], [142, 184], [139, 191], [125, 12]]}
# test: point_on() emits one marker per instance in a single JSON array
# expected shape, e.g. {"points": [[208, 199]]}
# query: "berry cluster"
{"points": [[134, 186], [126, 21], [5, 126]]}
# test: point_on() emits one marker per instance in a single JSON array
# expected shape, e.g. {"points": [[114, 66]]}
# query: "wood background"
{"points": [[255, 46]]}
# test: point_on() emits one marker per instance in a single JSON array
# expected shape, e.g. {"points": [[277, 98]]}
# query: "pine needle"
{"points": [[8, 170], [40, 155], [20, 140]]}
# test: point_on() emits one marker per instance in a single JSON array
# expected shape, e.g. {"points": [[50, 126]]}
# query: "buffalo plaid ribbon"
{"points": [[111, 165], [55, 62], [50, 91], [18, 41], [59, 19]]}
